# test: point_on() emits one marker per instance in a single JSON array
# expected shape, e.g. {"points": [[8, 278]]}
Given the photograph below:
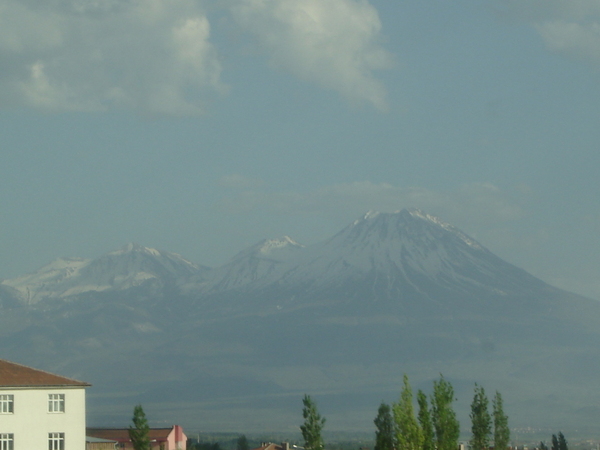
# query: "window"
{"points": [[56, 403], [6, 404], [56, 441], [6, 441]]}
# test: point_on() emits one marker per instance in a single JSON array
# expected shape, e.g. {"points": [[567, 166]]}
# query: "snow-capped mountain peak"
{"points": [[407, 223], [417, 213], [392, 254], [275, 247], [131, 265], [368, 216], [269, 245], [253, 263], [60, 271], [385, 253]]}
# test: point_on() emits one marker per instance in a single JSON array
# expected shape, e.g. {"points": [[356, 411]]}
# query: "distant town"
{"points": [[39, 409]]}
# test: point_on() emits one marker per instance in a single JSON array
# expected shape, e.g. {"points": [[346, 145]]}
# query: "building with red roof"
{"points": [[272, 446], [40, 410], [160, 438]]}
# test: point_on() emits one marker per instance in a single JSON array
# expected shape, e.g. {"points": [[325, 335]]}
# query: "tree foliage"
{"points": [[242, 443], [436, 426], [313, 425], [204, 446], [562, 442], [424, 417], [139, 432], [559, 442], [501, 430], [385, 432], [444, 419], [408, 432], [481, 421]]}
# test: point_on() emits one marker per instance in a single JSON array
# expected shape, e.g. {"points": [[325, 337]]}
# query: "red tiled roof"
{"points": [[122, 434], [17, 375], [270, 446]]}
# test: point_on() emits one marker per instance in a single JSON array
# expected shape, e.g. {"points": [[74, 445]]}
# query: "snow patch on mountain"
{"points": [[130, 266], [379, 254], [254, 263], [452, 229], [277, 248], [407, 249], [33, 286]]}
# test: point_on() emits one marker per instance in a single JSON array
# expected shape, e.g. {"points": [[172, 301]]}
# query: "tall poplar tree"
{"points": [[445, 423], [139, 433], [313, 425], [408, 432], [424, 417], [501, 430], [481, 421], [242, 443], [562, 442], [385, 438]]}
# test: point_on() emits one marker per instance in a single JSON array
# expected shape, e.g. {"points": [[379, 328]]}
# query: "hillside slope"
{"points": [[236, 347]]}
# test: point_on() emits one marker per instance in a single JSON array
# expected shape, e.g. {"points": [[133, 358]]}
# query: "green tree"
{"points": [[554, 442], [313, 424], [501, 430], [384, 433], [139, 433], [206, 446], [543, 446], [242, 443], [444, 419], [408, 432], [424, 417], [562, 442], [481, 421]]}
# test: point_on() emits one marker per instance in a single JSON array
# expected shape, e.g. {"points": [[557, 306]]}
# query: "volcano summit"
{"points": [[236, 347]]}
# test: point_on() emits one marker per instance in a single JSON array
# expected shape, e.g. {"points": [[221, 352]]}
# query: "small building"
{"points": [[160, 438], [92, 443], [40, 410], [272, 446]]}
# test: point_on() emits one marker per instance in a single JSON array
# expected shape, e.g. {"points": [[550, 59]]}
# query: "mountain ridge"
{"points": [[390, 293], [129, 266], [402, 245]]}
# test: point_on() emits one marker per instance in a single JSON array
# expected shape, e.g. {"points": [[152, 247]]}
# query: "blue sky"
{"points": [[203, 126]]}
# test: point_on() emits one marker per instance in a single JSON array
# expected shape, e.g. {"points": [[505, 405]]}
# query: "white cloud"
{"points": [[334, 43], [155, 56], [148, 55], [580, 40], [570, 27], [28, 29]]}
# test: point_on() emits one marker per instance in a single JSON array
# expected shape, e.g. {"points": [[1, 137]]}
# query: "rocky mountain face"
{"points": [[250, 265], [236, 347], [129, 267]]}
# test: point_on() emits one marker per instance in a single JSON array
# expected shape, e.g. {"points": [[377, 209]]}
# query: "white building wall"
{"points": [[31, 422]]}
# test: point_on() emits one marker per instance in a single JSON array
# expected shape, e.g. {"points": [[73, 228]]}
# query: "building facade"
{"points": [[160, 438], [40, 410]]}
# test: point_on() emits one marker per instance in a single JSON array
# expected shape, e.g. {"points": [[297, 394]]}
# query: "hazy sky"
{"points": [[202, 126]]}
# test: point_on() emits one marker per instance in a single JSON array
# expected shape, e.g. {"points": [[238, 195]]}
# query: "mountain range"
{"points": [[235, 347]]}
